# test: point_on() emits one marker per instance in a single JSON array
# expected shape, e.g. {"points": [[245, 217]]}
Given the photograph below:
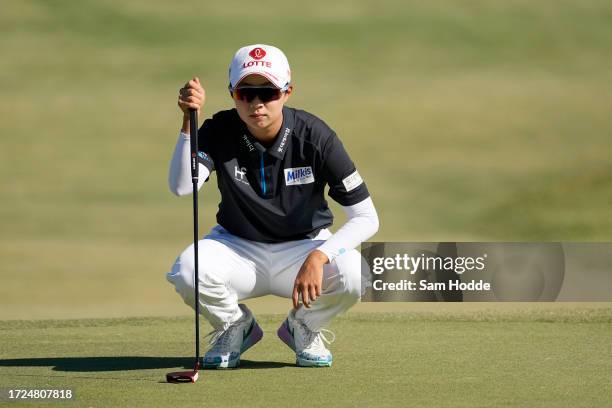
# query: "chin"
{"points": [[260, 124]]}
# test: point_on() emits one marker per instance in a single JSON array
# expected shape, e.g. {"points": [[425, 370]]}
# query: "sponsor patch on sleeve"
{"points": [[352, 181]]}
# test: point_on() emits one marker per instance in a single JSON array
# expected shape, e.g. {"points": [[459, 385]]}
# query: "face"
{"points": [[261, 118]]}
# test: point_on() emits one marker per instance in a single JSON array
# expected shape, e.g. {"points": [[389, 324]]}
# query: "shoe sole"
{"points": [[284, 334], [300, 362], [254, 335]]}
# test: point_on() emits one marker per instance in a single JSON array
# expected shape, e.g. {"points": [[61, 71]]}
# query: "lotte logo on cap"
{"points": [[257, 53]]}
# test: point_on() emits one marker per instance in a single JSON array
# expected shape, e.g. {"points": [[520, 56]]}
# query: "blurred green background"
{"points": [[469, 120]]}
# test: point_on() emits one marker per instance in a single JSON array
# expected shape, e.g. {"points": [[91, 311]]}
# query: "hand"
{"points": [[309, 279], [191, 96]]}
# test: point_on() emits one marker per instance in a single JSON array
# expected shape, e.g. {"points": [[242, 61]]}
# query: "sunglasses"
{"points": [[265, 94]]}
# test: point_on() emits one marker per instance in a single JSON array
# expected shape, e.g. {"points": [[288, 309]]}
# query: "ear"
{"points": [[288, 92]]}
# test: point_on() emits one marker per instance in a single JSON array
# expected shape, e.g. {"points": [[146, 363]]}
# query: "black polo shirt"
{"points": [[276, 193]]}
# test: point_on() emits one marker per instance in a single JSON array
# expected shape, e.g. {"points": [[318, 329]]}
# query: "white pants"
{"points": [[232, 269]]}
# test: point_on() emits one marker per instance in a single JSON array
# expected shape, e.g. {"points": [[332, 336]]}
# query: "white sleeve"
{"points": [[361, 225], [179, 177]]}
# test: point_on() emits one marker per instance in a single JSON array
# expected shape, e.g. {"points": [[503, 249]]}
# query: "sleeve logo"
{"points": [[299, 175], [352, 181], [204, 156]]}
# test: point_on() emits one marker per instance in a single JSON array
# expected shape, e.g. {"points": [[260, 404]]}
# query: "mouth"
{"points": [[256, 115]]}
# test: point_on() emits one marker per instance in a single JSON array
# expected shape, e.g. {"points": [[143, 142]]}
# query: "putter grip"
{"points": [[193, 127]]}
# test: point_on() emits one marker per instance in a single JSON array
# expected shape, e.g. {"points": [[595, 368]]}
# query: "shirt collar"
{"points": [[281, 143], [283, 139]]}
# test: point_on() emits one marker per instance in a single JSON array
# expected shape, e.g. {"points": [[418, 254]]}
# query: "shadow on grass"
{"points": [[249, 365], [123, 363]]}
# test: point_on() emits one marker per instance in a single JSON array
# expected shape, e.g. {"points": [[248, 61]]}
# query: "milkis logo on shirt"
{"points": [[299, 175]]}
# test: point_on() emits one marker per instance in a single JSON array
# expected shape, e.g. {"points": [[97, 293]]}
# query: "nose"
{"points": [[256, 102]]}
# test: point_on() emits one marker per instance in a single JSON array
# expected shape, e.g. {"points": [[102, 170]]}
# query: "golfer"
{"points": [[273, 164]]}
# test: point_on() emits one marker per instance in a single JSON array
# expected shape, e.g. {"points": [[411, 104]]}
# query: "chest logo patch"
{"points": [[299, 175], [240, 175]]}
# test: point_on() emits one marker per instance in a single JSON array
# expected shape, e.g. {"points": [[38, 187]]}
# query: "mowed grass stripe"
{"points": [[379, 360]]}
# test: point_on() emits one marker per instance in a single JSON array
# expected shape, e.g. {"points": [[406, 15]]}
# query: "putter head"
{"points": [[184, 376]]}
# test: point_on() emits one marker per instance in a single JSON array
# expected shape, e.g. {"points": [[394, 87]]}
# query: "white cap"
{"points": [[260, 59]]}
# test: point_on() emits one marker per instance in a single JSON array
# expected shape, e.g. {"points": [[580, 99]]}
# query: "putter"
{"points": [[192, 376]]}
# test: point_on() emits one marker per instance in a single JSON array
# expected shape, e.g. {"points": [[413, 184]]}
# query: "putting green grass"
{"points": [[468, 120], [536, 358]]}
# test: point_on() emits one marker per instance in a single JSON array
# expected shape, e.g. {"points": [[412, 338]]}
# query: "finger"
{"points": [[188, 105], [199, 92], [193, 83], [195, 98], [192, 99], [191, 92], [305, 297], [318, 290], [196, 80], [312, 292], [294, 296]]}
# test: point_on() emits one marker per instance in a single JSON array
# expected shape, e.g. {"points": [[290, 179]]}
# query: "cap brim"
{"points": [[263, 74]]}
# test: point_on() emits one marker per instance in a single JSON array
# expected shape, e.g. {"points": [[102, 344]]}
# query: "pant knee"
{"points": [[349, 267], [182, 274]]}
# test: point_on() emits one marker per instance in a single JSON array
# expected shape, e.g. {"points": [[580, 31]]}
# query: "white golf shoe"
{"points": [[229, 344], [308, 345]]}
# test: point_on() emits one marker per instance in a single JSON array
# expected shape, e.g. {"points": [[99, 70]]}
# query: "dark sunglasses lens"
{"points": [[268, 94], [264, 94]]}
